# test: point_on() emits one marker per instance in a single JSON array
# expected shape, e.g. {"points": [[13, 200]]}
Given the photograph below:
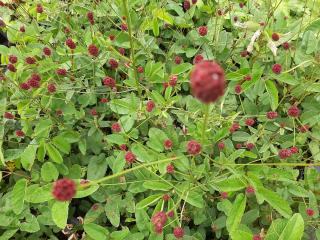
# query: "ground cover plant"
{"points": [[160, 119]]}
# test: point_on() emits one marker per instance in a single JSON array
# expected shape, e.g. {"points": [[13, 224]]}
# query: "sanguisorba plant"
{"points": [[131, 119]]}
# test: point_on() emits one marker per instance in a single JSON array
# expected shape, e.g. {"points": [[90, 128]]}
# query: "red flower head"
{"points": [[93, 112], [22, 29], [256, 237], [193, 147], [130, 157], [51, 88], [197, 59], [178, 232], [46, 51], [173, 80], [122, 51], [64, 189], [123, 147], [272, 115], [304, 128], [104, 100], [61, 71], [167, 144], [294, 150], [203, 30], [194, 1], [24, 86], [250, 189], [2, 23], [241, 5], [165, 85], [238, 89], [158, 220], [140, 69], [244, 53], [250, 122], [220, 12], [8, 115], [207, 81], [39, 8], [286, 45], [19, 133], [116, 127], [238, 145], [113, 63], [284, 153], [109, 81], [70, 43], [177, 59], [170, 168], [93, 50], [234, 127], [221, 145], [186, 5], [275, 36], [166, 197], [30, 60], [224, 195], [11, 67], [250, 146], [112, 37], [277, 68], [293, 111], [150, 106], [170, 214], [13, 59], [124, 27], [34, 81], [67, 30], [90, 17], [247, 77], [310, 212]]}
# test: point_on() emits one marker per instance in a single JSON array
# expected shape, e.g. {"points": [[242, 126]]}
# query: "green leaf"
{"points": [[43, 128], [148, 201], [294, 228], [62, 144], [97, 167], [28, 156], [276, 229], [194, 198], [30, 225], [157, 185], [181, 68], [273, 94], [59, 213], [230, 184], [49, 172], [95, 231], [112, 210], [8, 234], [286, 78], [163, 15], [39, 194], [86, 191], [53, 153], [275, 200], [236, 213], [18, 195], [155, 27], [116, 138]]}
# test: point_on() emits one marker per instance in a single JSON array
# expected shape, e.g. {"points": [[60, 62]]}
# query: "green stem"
{"points": [[205, 122]]}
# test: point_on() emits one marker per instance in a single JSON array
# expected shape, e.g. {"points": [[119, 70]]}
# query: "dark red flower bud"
{"points": [[197, 59], [250, 146], [30, 60], [170, 168], [150, 105], [310, 212], [293, 111], [8, 115], [122, 51], [140, 69], [123, 147], [104, 100], [272, 115], [178, 232], [46, 51], [238, 145], [256, 237], [234, 127], [244, 53], [11, 67], [93, 50], [221, 145], [39, 8], [93, 112], [61, 71], [90, 17], [250, 122], [167, 144], [286, 45], [124, 27], [173, 80], [112, 37], [203, 30], [115, 127], [250, 189], [13, 59], [186, 5], [64, 189], [177, 59], [193, 147], [22, 29], [19, 133], [241, 5], [2, 23], [170, 214], [275, 36], [224, 195], [247, 77], [277, 68], [51, 88], [238, 89], [166, 197], [284, 153], [113, 63], [109, 81], [70, 43], [24, 86], [294, 150], [130, 157]]}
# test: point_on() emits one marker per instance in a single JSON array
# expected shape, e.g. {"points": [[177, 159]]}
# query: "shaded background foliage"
{"points": [[229, 193]]}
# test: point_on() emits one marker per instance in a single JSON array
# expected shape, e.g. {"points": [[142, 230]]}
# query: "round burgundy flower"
{"points": [[123, 147], [277, 68], [93, 112], [13, 59], [19, 133], [275, 36], [286, 45], [186, 5], [241, 4], [235, 18], [177, 59], [203, 30], [170, 214], [159, 217], [238, 89], [178, 232], [24, 86], [8, 115], [250, 146], [247, 77], [70, 43], [109, 81], [59, 112], [238, 145], [46, 51], [173, 80], [194, 1], [140, 69], [90, 17], [193, 147], [51, 88], [104, 100], [304, 128], [11, 67], [112, 37], [39, 8], [122, 51], [34, 81], [234, 127], [129, 157], [170, 168], [167, 144], [284, 153], [93, 50], [30, 60], [310, 212], [272, 115], [166, 197], [150, 105], [115, 127], [250, 189], [113, 63], [197, 59], [250, 122], [293, 111], [256, 237], [64, 189], [61, 71], [22, 29], [124, 27], [294, 150], [207, 81], [224, 195], [244, 53], [221, 145]]}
